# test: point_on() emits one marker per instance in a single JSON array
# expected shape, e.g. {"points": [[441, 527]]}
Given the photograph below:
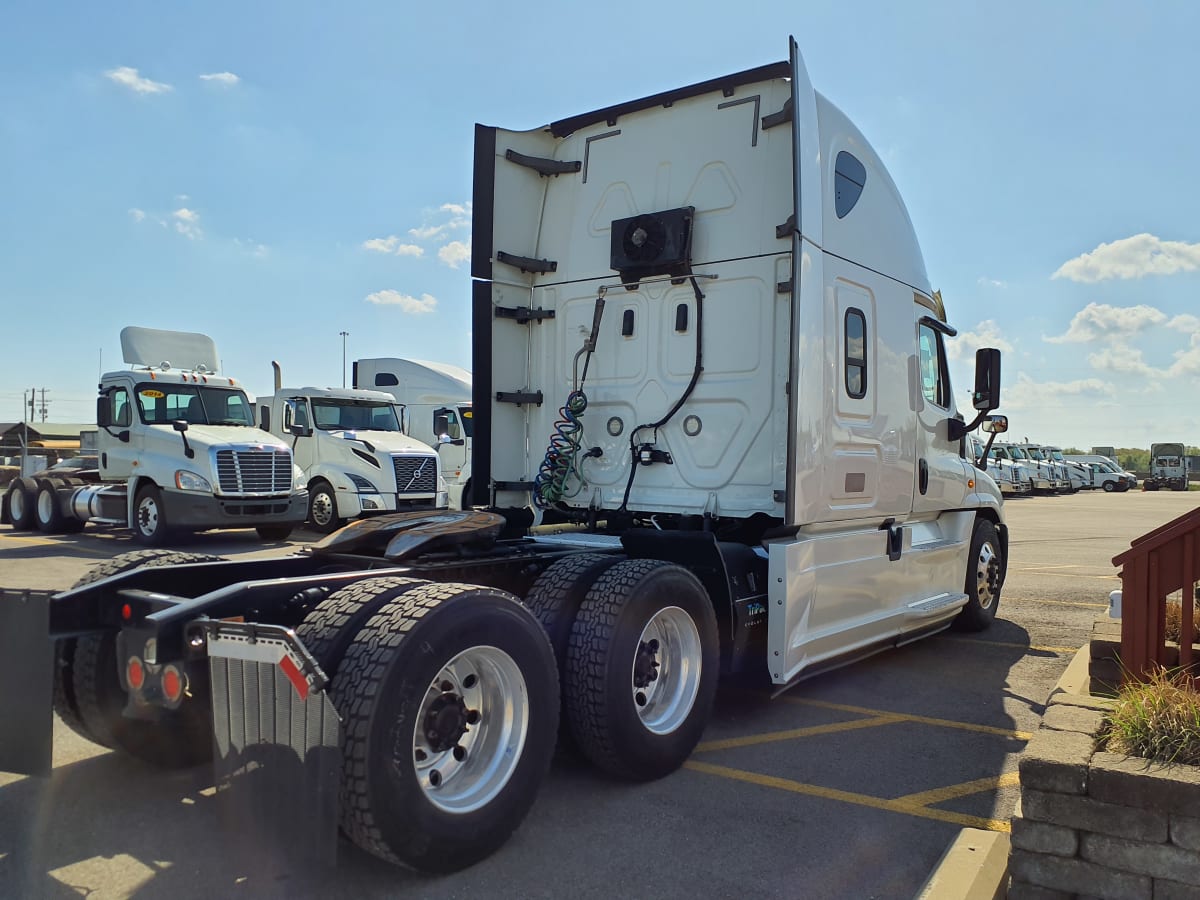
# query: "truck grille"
{"points": [[415, 474], [254, 472]]}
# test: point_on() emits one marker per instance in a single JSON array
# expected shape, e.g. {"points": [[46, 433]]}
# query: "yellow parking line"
{"points": [[1037, 647], [954, 791], [772, 736], [907, 717], [813, 790]]}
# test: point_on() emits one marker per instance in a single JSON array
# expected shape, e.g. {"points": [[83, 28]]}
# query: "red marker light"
{"points": [[135, 674], [126, 612], [172, 684]]}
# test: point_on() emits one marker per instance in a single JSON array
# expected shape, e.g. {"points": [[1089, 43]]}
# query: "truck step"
{"points": [[936, 603]]}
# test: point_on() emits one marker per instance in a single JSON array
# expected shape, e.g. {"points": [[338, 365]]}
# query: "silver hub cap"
{"points": [[471, 729], [322, 509], [147, 516], [987, 572], [666, 670]]}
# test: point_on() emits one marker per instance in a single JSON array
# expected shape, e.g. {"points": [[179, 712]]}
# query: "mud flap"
{"points": [[277, 739], [26, 682]]}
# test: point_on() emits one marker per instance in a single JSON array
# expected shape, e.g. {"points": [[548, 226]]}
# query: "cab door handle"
{"points": [[923, 477]]}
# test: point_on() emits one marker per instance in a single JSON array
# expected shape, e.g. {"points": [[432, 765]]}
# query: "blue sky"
{"points": [[273, 174]]}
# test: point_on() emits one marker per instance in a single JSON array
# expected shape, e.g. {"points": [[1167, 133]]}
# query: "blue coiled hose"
{"points": [[550, 484]]}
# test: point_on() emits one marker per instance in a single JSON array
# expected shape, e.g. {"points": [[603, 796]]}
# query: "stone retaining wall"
{"points": [[1098, 824]]}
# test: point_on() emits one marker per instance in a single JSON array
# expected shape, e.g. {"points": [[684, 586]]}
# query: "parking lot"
{"points": [[850, 785]]}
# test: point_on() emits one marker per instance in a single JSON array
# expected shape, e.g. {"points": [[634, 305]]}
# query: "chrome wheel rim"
{"points": [[147, 516], [470, 730], [987, 573], [666, 670], [322, 509]]}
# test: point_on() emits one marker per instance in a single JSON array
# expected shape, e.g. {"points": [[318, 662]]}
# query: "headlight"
{"points": [[299, 482], [190, 481], [363, 486]]}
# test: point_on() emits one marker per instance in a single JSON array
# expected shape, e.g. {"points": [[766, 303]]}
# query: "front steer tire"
{"points": [[642, 669], [89, 699], [402, 677], [985, 578]]}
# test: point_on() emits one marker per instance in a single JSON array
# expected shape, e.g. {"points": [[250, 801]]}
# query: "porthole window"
{"points": [[856, 353], [849, 177]]}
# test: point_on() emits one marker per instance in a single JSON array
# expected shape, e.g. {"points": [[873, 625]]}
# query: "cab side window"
{"points": [[935, 377], [122, 412]]}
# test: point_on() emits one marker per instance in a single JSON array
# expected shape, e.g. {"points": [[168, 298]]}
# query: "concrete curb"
{"points": [[975, 865]]}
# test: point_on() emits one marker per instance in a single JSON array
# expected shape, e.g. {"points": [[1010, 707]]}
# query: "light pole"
{"points": [[344, 334]]}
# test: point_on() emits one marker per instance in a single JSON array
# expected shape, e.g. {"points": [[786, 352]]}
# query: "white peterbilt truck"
{"points": [[353, 451], [178, 452], [715, 433], [437, 403]]}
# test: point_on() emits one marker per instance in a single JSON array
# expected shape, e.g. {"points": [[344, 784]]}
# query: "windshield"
{"points": [[1035, 454], [162, 404], [1057, 454], [1018, 453], [342, 414], [468, 423]]}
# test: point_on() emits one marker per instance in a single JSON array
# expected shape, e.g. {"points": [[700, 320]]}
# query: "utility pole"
{"points": [[344, 334], [42, 406]]}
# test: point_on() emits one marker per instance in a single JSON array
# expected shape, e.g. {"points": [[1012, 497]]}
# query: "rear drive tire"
{"points": [[642, 668], [149, 518], [985, 578], [88, 696], [322, 508], [449, 704], [47, 510], [22, 496]]}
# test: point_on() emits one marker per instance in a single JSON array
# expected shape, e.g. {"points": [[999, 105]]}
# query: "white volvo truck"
{"points": [[178, 452], [355, 456], [716, 432], [437, 402]]}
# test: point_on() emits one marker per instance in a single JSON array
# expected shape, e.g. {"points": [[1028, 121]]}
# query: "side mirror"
{"points": [[441, 425], [180, 425], [995, 424], [103, 419], [299, 430], [986, 396]]}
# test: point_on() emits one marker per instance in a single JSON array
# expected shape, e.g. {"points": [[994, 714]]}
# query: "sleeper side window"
{"points": [[855, 324]]}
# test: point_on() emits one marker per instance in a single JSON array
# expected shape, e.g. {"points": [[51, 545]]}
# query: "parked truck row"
{"points": [[714, 433], [1028, 468]]}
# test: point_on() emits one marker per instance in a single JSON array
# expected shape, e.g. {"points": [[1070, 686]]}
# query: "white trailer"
{"points": [[355, 457], [178, 452], [438, 411], [717, 434]]}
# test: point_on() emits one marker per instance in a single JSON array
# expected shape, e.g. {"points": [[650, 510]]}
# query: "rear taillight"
{"points": [[172, 684], [135, 673]]}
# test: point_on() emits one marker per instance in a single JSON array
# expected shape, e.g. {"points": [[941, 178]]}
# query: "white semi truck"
{"points": [[178, 452], [1168, 468], [355, 456], [437, 402], [715, 431], [1012, 478]]}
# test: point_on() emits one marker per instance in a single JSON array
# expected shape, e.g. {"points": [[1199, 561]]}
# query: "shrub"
{"points": [[1158, 719], [1174, 623]]}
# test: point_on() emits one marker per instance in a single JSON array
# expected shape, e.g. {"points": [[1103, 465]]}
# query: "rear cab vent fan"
{"points": [[657, 243]]}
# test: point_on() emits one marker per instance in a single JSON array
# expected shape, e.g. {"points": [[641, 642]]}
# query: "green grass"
{"points": [[1174, 623], [1158, 719]]}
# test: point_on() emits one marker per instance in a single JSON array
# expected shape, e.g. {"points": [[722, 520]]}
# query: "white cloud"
{"points": [[984, 281], [1186, 322], [458, 209], [137, 214], [187, 222], [1187, 362], [392, 244], [1131, 257], [225, 79], [129, 77], [251, 246], [1029, 394], [426, 303], [455, 253], [1098, 321], [986, 334], [425, 232], [1124, 360]]}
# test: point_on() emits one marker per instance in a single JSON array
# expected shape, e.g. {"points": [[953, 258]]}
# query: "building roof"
{"points": [[12, 432]]}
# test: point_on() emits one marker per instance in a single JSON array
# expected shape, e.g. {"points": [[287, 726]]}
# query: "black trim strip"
{"points": [[725, 84], [542, 166], [481, 392], [483, 199]]}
